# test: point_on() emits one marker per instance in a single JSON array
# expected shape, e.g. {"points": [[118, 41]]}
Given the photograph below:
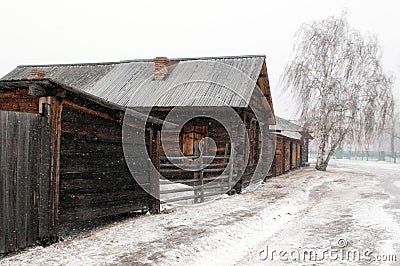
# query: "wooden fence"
{"points": [[27, 209], [366, 155], [204, 183]]}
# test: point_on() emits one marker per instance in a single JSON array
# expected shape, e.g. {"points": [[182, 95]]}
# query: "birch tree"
{"points": [[337, 80]]}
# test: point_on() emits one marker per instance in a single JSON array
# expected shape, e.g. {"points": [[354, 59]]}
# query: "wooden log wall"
{"points": [[95, 180], [79, 170], [192, 133], [293, 155], [221, 137], [287, 155], [285, 158], [279, 162], [298, 155], [199, 128], [19, 101]]}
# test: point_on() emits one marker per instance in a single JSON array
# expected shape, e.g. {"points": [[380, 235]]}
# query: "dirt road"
{"points": [[306, 217]]}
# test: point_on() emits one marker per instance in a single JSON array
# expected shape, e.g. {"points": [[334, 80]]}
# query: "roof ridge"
{"points": [[70, 64], [216, 57], [143, 60]]}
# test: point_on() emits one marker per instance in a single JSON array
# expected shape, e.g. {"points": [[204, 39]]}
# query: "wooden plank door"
{"points": [[27, 203]]}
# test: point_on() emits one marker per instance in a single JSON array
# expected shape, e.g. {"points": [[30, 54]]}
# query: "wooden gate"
{"points": [[196, 189], [28, 204]]}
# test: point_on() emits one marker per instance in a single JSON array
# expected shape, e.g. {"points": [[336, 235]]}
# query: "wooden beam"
{"points": [[52, 108], [89, 111], [103, 115], [14, 93], [107, 133], [154, 198]]}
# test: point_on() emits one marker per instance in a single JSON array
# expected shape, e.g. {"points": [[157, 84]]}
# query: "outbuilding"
{"points": [[292, 142]]}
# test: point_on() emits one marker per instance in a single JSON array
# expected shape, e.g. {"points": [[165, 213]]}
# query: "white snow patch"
{"points": [[304, 208]]}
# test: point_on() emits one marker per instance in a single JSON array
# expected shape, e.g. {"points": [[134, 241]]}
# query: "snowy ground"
{"points": [[340, 216]]}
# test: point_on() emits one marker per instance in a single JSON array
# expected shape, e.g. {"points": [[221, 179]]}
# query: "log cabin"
{"points": [[62, 152], [62, 160], [193, 87]]}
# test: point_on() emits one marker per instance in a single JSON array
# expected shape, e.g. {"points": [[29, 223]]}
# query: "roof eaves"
{"points": [[69, 88], [89, 96]]}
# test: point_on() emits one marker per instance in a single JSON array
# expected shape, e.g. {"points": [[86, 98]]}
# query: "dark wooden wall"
{"points": [[19, 101], [94, 178], [199, 128], [88, 177], [293, 155], [298, 155], [285, 158], [287, 155], [279, 160], [28, 212], [192, 132]]}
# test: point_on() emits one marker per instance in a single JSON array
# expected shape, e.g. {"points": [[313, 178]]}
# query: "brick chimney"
{"points": [[160, 68], [37, 73]]}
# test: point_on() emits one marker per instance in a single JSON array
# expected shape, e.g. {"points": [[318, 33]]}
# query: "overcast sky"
{"points": [[43, 32]]}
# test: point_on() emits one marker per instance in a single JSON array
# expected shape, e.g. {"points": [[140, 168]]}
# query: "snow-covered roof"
{"points": [[289, 129]]}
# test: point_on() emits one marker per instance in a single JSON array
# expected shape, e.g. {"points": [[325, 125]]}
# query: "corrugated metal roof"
{"points": [[213, 81], [283, 124], [290, 134], [289, 129]]}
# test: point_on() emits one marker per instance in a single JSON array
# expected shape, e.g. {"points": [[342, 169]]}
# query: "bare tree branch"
{"points": [[336, 77]]}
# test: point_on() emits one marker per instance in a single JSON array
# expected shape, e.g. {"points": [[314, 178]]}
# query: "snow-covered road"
{"points": [[306, 217]]}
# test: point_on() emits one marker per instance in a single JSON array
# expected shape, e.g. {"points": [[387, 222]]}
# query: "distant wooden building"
{"points": [[292, 142]]}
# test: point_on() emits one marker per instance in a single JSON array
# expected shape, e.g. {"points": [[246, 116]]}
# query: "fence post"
{"points": [[381, 156], [233, 160], [196, 175], [202, 151], [232, 157], [339, 153], [221, 183], [154, 197], [53, 109]]}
